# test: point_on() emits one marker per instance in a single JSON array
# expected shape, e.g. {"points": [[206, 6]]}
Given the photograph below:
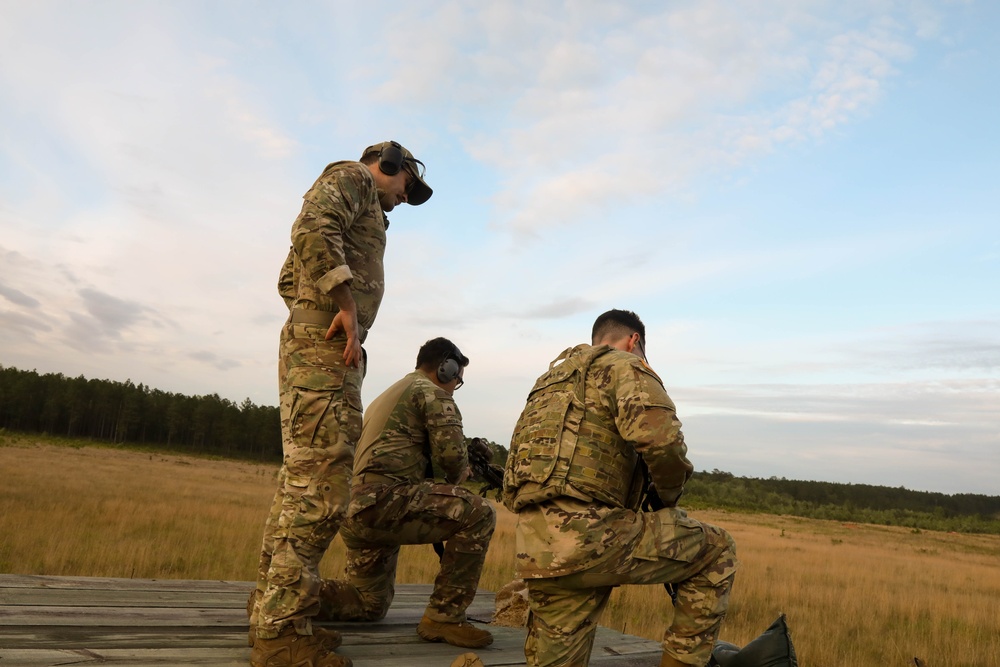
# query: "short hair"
{"points": [[436, 350], [370, 158], [618, 323]]}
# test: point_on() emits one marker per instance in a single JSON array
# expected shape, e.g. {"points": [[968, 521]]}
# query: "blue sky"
{"points": [[800, 199]]}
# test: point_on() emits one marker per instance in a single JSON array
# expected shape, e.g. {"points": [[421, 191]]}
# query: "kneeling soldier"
{"points": [[596, 428], [394, 500]]}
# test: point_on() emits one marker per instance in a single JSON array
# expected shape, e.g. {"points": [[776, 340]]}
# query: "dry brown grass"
{"points": [[854, 594]]}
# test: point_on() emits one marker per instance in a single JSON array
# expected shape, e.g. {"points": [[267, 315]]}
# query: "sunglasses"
{"points": [[416, 169]]}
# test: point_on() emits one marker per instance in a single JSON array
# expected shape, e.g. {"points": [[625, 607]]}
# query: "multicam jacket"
{"points": [[410, 420], [574, 474], [339, 237]]}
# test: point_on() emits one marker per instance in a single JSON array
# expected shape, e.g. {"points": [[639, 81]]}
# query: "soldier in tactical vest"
{"points": [[412, 426], [597, 430], [332, 282]]}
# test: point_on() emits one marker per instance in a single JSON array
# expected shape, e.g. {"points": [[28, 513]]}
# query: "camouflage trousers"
{"points": [[700, 559], [320, 424], [385, 517]]}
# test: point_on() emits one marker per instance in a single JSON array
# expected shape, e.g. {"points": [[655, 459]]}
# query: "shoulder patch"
{"points": [[646, 367]]}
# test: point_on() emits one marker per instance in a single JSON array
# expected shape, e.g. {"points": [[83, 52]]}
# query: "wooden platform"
{"points": [[144, 622]]}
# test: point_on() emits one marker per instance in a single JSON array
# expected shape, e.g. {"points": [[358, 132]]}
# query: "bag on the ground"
{"points": [[772, 649]]}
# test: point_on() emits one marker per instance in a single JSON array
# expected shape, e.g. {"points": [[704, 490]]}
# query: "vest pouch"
{"points": [[547, 432], [540, 428]]}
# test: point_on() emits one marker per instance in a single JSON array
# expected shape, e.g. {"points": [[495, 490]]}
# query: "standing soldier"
{"points": [[599, 427], [411, 426], [332, 283]]}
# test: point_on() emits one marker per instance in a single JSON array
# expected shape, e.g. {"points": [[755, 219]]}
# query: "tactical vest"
{"points": [[560, 448]]}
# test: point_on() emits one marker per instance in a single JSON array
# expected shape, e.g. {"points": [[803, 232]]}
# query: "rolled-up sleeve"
{"points": [[331, 206]]}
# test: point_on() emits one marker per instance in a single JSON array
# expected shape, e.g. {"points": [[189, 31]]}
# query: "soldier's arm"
{"points": [[647, 418], [346, 320], [286, 280], [331, 206], [447, 441]]}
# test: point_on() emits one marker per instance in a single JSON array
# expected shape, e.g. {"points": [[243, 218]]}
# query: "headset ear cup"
{"points": [[448, 371], [390, 160]]}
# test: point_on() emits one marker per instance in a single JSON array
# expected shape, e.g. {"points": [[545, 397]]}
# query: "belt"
{"points": [[319, 317], [322, 318]]}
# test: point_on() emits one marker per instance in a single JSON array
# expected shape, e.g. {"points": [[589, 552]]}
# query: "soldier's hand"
{"points": [[347, 321]]}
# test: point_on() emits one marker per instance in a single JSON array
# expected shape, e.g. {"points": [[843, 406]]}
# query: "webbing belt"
{"points": [[321, 318]]}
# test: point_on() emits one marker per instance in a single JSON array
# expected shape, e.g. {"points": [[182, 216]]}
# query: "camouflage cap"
{"points": [[419, 191]]}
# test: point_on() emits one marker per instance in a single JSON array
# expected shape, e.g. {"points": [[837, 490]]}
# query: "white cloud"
{"points": [[143, 233], [610, 104]]}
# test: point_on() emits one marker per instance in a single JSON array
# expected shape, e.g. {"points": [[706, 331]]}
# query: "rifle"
{"points": [[483, 468]]}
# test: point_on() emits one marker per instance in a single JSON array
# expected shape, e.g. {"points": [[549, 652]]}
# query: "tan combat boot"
{"points": [[290, 649], [462, 634], [331, 639], [670, 661]]}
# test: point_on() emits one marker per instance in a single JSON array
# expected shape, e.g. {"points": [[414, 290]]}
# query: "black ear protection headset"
{"points": [[390, 159], [449, 368]]}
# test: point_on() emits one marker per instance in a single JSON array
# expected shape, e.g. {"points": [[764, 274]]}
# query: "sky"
{"points": [[801, 200]]}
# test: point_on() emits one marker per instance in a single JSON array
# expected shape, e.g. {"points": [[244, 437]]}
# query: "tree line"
{"points": [[124, 412], [856, 503], [135, 414], [127, 413]]}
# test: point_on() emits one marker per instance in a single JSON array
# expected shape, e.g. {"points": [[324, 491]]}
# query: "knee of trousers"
{"points": [[726, 562], [474, 540], [312, 511], [374, 607], [308, 538], [474, 537]]}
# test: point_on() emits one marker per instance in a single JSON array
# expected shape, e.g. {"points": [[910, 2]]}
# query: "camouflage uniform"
{"points": [[338, 237], [393, 503], [575, 477]]}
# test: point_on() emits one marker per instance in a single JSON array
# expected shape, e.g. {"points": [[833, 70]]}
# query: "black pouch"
{"points": [[773, 648]]}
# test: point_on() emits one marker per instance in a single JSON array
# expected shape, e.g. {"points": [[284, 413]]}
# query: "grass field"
{"points": [[855, 595]]}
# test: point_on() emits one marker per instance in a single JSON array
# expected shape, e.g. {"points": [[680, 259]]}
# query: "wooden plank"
{"points": [[201, 658], [362, 639], [64, 597], [129, 658], [392, 655], [146, 617], [153, 623], [118, 584], [78, 637], [391, 648], [118, 616]]}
